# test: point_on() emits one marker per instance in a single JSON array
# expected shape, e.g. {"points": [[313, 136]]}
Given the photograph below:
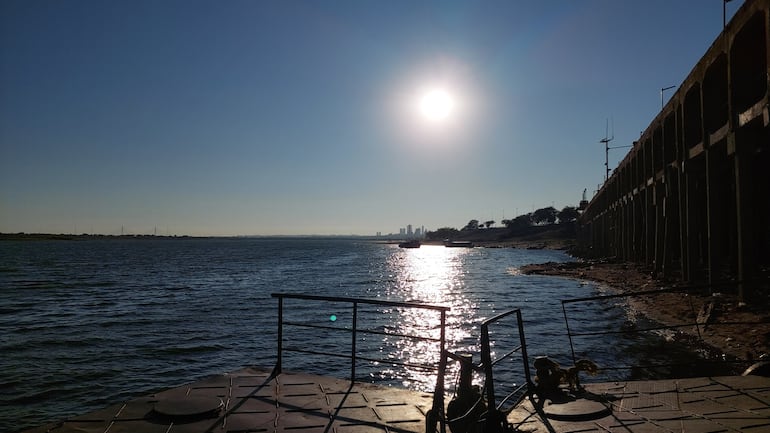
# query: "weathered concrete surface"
{"points": [[253, 402], [704, 404], [301, 403]]}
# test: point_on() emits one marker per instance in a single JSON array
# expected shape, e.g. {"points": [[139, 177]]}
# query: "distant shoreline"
{"points": [[554, 237], [72, 237], [68, 237]]}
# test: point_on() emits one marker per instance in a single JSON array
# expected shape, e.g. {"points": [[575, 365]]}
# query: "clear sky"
{"points": [[305, 117]]}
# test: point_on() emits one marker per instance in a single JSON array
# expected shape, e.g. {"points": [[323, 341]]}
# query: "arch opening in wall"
{"points": [[748, 63], [692, 126], [715, 95]]}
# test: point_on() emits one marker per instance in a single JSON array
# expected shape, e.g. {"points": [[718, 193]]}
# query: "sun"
{"points": [[436, 105]]}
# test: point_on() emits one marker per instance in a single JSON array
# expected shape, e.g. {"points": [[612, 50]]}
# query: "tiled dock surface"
{"points": [[297, 403], [302, 403], [718, 404]]}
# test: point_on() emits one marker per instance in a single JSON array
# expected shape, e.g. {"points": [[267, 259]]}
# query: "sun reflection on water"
{"points": [[430, 275]]}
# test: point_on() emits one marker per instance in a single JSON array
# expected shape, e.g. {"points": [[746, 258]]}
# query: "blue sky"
{"points": [[299, 117]]}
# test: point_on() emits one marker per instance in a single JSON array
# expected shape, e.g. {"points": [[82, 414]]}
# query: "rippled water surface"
{"points": [[84, 324]]}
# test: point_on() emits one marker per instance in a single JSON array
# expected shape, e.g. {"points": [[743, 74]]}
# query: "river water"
{"points": [[88, 323]]}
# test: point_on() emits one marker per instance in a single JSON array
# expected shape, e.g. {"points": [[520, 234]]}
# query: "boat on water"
{"points": [[548, 398], [414, 243], [458, 244]]}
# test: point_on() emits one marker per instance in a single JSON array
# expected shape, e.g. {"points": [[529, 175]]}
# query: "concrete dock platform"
{"points": [[248, 400], [704, 404]]}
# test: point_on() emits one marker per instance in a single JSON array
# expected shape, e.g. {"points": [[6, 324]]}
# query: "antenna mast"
{"points": [[606, 140]]}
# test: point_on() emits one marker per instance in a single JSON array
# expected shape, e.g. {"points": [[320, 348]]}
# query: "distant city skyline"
{"points": [[324, 117]]}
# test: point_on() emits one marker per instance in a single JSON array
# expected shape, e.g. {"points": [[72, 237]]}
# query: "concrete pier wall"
{"points": [[692, 197]]}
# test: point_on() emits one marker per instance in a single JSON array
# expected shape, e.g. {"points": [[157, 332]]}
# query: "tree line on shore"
{"points": [[546, 216]]}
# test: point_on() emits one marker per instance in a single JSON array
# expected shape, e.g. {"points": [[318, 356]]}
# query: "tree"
{"points": [[443, 233], [568, 214], [489, 223], [520, 222], [472, 225], [546, 215]]}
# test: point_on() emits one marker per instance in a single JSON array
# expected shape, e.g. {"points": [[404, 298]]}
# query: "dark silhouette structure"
{"points": [[692, 197]]}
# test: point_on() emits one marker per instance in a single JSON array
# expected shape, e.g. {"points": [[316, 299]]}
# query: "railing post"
{"points": [[486, 361], [527, 373], [436, 414], [569, 333], [353, 343], [278, 362]]}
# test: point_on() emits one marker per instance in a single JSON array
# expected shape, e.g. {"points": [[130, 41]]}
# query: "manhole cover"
{"points": [[577, 410], [189, 407]]}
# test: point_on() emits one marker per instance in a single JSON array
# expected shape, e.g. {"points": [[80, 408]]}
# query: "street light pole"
{"points": [[724, 13], [661, 94]]}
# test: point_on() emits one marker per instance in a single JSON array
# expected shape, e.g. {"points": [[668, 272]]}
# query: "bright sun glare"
{"points": [[436, 105]]}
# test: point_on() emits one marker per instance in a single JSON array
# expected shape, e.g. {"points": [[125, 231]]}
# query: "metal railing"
{"points": [[687, 334], [355, 331], [483, 407], [488, 363]]}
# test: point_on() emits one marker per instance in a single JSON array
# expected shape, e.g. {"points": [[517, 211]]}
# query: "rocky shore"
{"points": [[730, 327], [726, 326]]}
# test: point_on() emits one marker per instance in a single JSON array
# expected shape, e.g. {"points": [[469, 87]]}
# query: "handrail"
{"points": [[360, 300], [488, 363], [470, 403], [354, 330], [573, 333]]}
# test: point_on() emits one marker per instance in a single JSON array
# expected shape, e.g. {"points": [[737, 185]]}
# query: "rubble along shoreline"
{"points": [[746, 338]]}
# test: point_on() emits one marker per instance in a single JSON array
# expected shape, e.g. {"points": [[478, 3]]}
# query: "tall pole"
{"points": [[606, 142], [724, 13], [661, 95]]}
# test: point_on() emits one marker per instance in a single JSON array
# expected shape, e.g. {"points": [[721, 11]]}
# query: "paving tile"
{"points": [[76, 427], [209, 425], [300, 420], [623, 422], [347, 400], [210, 392], [263, 391], [248, 423], [252, 405], [137, 426], [399, 413], [293, 415], [359, 428], [363, 414]]}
